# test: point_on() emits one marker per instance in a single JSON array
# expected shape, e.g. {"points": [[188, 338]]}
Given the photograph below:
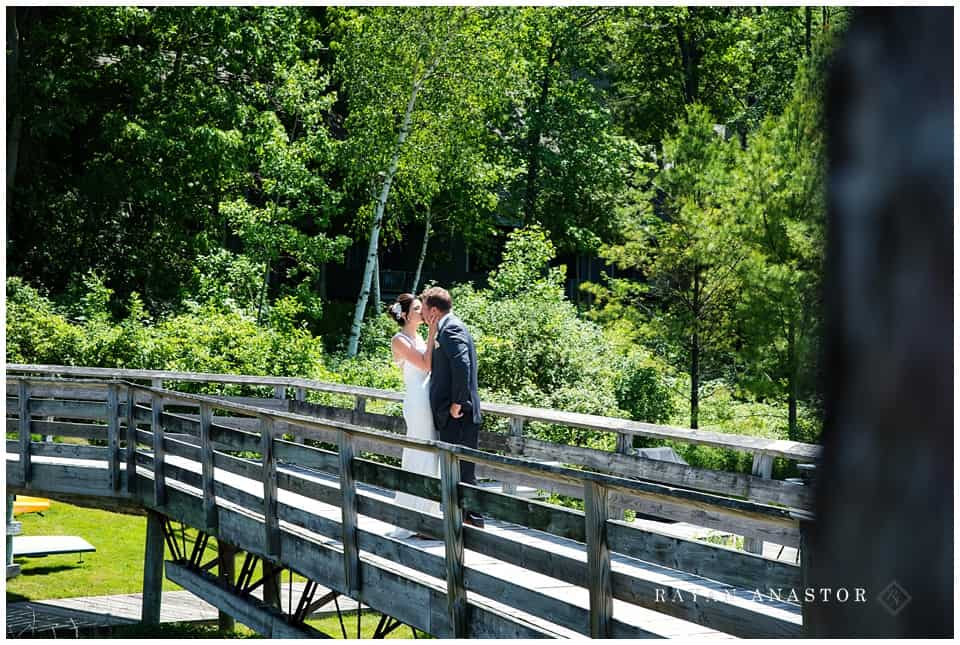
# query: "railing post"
{"points": [[301, 396], [598, 559], [206, 456], [270, 518], [280, 392], [131, 440], [23, 393], [348, 510], [516, 430], [453, 542], [159, 485], [624, 444], [359, 408], [762, 467], [113, 436]]}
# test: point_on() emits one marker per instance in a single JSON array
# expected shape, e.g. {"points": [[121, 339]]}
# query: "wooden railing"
{"points": [[208, 439], [757, 486]]}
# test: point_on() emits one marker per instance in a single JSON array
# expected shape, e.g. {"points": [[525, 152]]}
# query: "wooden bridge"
{"points": [[296, 485]]}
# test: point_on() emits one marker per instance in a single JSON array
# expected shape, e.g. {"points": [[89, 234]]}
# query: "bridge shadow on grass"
{"points": [[54, 568]]}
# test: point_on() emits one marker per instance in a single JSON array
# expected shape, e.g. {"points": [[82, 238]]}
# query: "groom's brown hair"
{"points": [[437, 297]]}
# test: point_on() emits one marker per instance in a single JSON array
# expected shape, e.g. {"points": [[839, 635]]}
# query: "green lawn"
{"points": [[329, 625], [117, 568]]}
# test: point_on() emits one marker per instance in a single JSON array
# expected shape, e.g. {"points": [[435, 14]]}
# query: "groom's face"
{"points": [[431, 314]]}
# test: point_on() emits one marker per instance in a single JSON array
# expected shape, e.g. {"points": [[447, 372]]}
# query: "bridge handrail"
{"points": [[559, 474], [754, 445]]}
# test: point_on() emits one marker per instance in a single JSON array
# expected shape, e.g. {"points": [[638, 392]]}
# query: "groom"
{"points": [[453, 383]]}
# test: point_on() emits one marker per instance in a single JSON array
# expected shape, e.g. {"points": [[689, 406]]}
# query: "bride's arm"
{"points": [[431, 342], [403, 351]]}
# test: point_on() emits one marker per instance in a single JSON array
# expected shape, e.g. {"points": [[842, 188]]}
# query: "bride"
{"points": [[413, 356]]}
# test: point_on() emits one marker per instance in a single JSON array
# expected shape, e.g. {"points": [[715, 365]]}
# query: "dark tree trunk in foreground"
{"points": [[885, 496]]}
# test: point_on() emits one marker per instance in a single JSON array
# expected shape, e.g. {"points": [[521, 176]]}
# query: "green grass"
{"points": [[329, 625], [117, 568]]}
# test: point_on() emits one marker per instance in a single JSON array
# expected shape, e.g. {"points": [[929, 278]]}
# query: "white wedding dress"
{"points": [[419, 420]]}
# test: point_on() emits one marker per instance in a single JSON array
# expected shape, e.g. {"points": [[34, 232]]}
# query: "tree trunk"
{"points": [[423, 252], [690, 57], [793, 368], [808, 19], [375, 287], [361, 305], [15, 122], [263, 292], [695, 356], [533, 139]]}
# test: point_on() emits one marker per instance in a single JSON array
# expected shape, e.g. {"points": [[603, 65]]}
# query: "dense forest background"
{"points": [[184, 182]]}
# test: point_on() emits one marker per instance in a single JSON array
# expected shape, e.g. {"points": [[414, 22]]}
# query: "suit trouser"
{"points": [[465, 432]]}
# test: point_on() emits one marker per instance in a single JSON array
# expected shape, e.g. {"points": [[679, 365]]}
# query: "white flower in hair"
{"points": [[395, 309]]}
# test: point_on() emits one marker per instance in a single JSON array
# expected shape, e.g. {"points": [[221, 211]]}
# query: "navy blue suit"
{"points": [[454, 380]]}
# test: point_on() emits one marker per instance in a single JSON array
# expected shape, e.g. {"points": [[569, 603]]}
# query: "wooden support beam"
{"points": [[24, 412], [113, 436], [453, 543], [348, 509], [206, 457], [763, 468], [271, 521], [131, 442], [159, 485], [226, 571], [598, 560], [153, 570], [271, 583]]}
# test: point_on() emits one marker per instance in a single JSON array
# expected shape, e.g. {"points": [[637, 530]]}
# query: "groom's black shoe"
{"points": [[473, 519]]}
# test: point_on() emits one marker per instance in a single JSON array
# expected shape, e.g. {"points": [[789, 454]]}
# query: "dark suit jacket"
{"points": [[454, 377]]}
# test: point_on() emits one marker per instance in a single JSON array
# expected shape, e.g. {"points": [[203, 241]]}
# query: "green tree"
{"points": [[143, 121], [781, 193], [416, 81], [571, 163], [685, 243]]}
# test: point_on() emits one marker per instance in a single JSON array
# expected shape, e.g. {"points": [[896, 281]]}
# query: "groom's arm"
{"points": [[455, 345]]}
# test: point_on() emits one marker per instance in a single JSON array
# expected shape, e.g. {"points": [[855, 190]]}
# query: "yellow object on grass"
{"points": [[24, 504]]}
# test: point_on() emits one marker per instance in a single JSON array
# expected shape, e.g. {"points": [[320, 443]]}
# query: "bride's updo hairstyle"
{"points": [[401, 307]]}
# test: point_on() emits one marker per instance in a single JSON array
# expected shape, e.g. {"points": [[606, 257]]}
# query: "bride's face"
{"points": [[416, 312]]}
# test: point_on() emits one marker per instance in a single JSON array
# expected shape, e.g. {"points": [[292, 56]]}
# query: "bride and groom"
{"points": [[440, 380]]}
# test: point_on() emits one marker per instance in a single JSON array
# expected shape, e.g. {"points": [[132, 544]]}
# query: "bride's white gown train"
{"points": [[419, 420]]}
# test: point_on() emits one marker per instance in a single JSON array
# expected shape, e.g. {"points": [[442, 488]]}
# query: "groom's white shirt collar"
{"points": [[443, 320]]}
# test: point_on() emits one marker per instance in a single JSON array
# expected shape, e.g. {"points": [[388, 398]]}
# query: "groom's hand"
{"points": [[455, 411]]}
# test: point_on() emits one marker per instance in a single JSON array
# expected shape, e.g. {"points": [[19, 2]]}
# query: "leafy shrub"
{"points": [[36, 333], [201, 339]]}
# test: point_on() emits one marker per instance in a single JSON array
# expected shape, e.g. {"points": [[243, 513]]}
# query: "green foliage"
{"points": [[641, 389], [203, 339], [181, 175], [526, 254], [35, 332], [534, 349]]}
